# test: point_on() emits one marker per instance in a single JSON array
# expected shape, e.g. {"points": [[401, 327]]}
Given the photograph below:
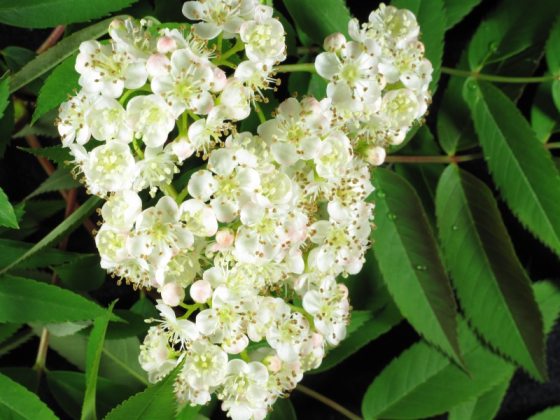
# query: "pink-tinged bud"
{"points": [[201, 291], [166, 44], [376, 155], [224, 238], [182, 148], [317, 340], [158, 65], [220, 80], [273, 363], [172, 294], [334, 42]]}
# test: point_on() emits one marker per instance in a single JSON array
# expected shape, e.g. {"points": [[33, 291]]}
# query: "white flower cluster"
{"points": [[379, 80], [245, 258]]}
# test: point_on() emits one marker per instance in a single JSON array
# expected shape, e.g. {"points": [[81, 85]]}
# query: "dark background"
{"points": [[346, 383]]}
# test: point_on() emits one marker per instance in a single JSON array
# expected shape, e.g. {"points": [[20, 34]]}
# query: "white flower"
{"points": [[399, 108], [108, 168], [181, 331], [264, 38], [182, 268], [218, 16], [287, 333], [187, 85], [71, 121], [199, 218], [121, 209], [204, 133], [111, 244], [151, 118], [156, 170], [334, 154], [235, 100], [204, 369], [106, 119], [105, 71], [256, 76], [172, 294], [330, 309], [132, 36], [156, 356], [244, 390]]}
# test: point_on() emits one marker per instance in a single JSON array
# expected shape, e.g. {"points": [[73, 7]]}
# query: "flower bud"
{"points": [[157, 65], [172, 294], [334, 42], [166, 44], [182, 148], [376, 155], [272, 363], [201, 291], [224, 238], [219, 81]]}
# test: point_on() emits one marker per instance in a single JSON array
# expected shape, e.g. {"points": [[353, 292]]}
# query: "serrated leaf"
{"points": [[83, 273], [189, 412], [24, 403], [409, 260], [521, 168], [119, 362], [61, 179], [494, 290], [54, 55], [68, 390], [59, 85], [421, 382], [282, 410], [319, 18], [56, 154], [431, 18], [93, 360], [67, 226], [456, 10], [552, 413], [25, 300], [7, 330], [545, 117], [156, 401], [11, 250], [360, 332], [7, 214], [484, 407], [49, 13], [552, 51], [4, 94]]}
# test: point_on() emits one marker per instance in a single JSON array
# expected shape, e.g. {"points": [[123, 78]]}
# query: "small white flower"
{"points": [[172, 294], [199, 218], [235, 100], [181, 331], [333, 156], [156, 170], [264, 38], [287, 333], [156, 356], [151, 118], [121, 209], [106, 119], [72, 125]]}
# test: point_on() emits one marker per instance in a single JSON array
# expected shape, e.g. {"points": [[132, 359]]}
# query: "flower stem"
{"points": [[289, 68], [328, 402], [259, 112], [497, 78], [239, 46]]}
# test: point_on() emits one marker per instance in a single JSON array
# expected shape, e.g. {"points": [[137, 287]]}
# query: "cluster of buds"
{"points": [[247, 256]]}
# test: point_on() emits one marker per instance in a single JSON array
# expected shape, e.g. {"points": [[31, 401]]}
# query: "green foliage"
{"points": [[49, 13], [7, 214], [4, 94], [456, 10], [521, 168], [411, 266], [58, 155], [550, 414], [283, 410], [544, 115], [83, 273], [93, 360], [319, 18], [59, 85], [483, 407], [21, 403], [494, 290], [553, 60], [42, 302], [61, 179]]}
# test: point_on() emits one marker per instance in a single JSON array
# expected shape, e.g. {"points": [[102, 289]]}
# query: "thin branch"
{"points": [[52, 39], [497, 78], [328, 402]]}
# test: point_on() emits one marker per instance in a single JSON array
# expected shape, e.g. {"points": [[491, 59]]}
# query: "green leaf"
{"points": [[484, 407], [61, 179], [61, 82], [22, 402], [83, 273], [282, 410], [4, 94], [364, 327], [7, 214], [521, 168], [50, 13], [319, 18], [188, 412], [7, 330], [411, 265], [431, 18], [545, 117], [67, 226], [549, 414], [54, 55], [93, 360], [25, 300], [7, 123], [156, 401], [317, 87], [456, 10], [494, 290], [552, 51], [421, 382], [68, 389], [12, 250], [57, 154]]}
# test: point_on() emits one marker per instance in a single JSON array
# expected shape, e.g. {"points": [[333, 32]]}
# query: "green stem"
{"points": [[259, 111], [170, 190], [239, 46], [137, 149], [290, 68], [328, 402], [497, 78]]}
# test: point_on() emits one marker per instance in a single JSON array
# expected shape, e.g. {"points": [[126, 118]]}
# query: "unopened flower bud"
{"points": [[224, 238], [272, 363], [201, 291], [157, 65], [172, 294], [219, 81], [376, 155], [166, 44], [334, 42], [182, 148]]}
